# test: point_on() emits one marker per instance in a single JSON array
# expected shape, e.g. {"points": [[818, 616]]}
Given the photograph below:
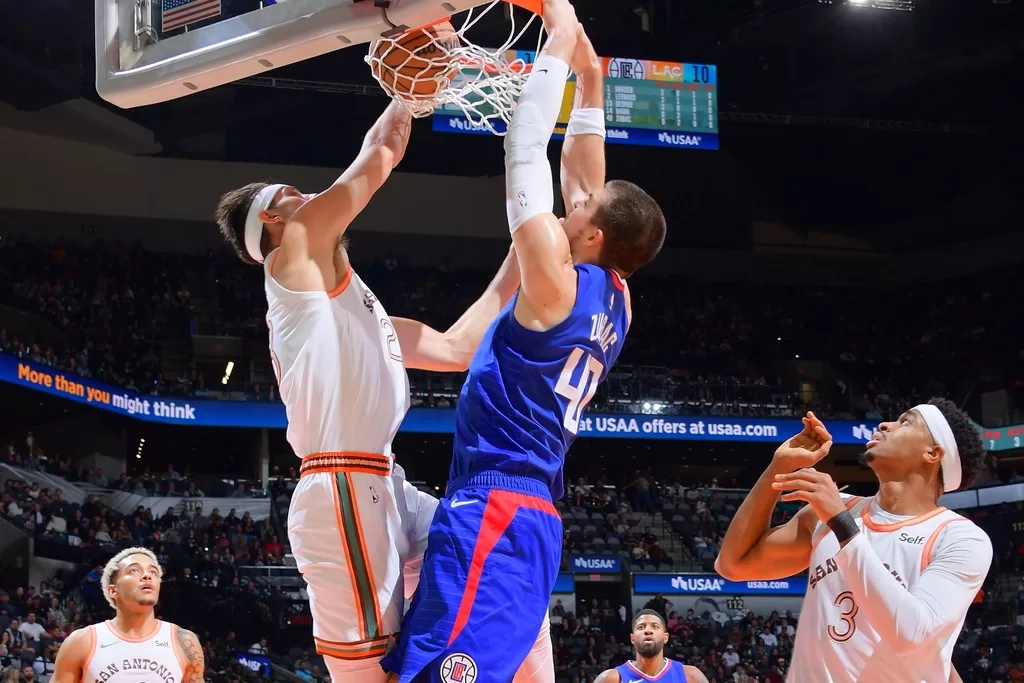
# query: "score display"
{"points": [[651, 103]]}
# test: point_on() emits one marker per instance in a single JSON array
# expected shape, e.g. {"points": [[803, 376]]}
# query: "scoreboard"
{"points": [[660, 104]]}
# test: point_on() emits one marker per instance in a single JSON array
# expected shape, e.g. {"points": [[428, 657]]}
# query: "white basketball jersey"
{"points": [[118, 659], [338, 365], [835, 643]]}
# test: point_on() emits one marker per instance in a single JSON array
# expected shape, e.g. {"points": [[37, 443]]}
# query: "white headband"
{"points": [[943, 436], [253, 225]]}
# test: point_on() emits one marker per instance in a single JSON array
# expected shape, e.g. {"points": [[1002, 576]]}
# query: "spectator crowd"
{"points": [[652, 525], [107, 312]]}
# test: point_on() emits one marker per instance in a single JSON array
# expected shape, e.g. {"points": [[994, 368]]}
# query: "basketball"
{"points": [[411, 65]]}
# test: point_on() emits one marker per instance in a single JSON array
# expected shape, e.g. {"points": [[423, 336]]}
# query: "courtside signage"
{"points": [[596, 564], [271, 415], [713, 584]]}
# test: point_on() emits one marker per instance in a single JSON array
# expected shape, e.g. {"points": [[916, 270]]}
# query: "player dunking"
{"points": [[356, 527], [649, 638], [495, 543], [113, 650], [892, 575]]}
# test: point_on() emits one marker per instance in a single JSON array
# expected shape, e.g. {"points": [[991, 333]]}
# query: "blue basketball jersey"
{"points": [[673, 673], [519, 410]]}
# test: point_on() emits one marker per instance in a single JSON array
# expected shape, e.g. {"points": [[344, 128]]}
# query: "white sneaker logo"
{"points": [[460, 503]]}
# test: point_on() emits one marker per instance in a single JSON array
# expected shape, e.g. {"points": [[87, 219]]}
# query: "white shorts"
{"points": [[352, 533]]}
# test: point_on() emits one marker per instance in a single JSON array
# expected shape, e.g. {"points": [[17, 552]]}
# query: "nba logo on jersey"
{"points": [[522, 198], [458, 668]]}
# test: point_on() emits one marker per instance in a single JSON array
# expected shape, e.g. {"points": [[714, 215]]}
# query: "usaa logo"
{"points": [[862, 432], [462, 124], [679, 140]]}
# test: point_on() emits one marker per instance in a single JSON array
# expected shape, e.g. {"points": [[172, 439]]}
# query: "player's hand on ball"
{"points": [[814, 488], [806, 448]]}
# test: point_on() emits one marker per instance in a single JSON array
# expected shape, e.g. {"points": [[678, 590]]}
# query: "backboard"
{"points": [[212, 42]]}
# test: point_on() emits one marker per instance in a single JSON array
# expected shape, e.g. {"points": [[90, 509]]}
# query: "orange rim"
{"points": [[535, 6]]}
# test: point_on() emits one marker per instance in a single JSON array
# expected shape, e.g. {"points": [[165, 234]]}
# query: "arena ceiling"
{"points": [[897, 128]]}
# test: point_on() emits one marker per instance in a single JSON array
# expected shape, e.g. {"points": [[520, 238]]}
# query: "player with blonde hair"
{"points": [[134, 646]]}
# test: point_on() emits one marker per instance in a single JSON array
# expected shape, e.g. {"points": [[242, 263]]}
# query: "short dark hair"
{"points": [[230, 216], [968, 440], [633, 226], [648, 613]]}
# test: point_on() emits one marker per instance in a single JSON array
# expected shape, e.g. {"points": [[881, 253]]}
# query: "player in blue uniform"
{"points": [[495, 544], [649, 638]]}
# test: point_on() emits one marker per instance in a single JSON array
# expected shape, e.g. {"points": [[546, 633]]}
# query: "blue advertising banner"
{"points": [[207, 413], [455, 122], [564, 584], [713, 584], [596, 564], [258, 663]]}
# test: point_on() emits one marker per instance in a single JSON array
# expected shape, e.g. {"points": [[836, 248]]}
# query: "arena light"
{"points": [[227, 372], [138, 453], [898, 5]]}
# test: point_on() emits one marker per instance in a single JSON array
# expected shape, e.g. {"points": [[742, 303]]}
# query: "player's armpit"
{"points": [[781, 552], [694, 675], [72, 657], [194, 658], [313, 231], [548, 289], [326, 217]]}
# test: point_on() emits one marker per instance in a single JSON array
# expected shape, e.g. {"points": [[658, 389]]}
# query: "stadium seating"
{"points": [[119, 314]]}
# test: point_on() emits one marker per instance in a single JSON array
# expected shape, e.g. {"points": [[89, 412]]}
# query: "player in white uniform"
{"points": [[134, 646], [891, 576], [357, 528]]}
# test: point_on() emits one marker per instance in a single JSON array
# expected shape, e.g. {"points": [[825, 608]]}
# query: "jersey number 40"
{"points": [[580, 393]]}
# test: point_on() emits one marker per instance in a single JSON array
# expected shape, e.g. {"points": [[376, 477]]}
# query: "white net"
{"points": [[436, 68]]}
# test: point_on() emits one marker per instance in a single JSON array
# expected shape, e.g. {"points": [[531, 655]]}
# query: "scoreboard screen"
{"points": [[660, 104]]}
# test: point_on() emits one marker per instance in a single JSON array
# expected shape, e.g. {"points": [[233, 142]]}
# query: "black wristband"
{"points": [[843, 526]]}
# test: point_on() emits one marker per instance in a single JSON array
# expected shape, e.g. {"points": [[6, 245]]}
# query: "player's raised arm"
{"points": [[583, 166], [424, 348], [72, 656], [548, 277], [752, 549], [312, 233]]}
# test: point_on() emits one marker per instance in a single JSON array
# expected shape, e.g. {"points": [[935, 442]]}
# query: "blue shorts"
{"points": [[491, 562]]}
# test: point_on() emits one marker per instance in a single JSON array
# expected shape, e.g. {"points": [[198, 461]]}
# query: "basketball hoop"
{"points": [[484, 83]]}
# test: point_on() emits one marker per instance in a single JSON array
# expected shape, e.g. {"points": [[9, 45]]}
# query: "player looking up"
{"points": [[649, 638], [891, 575], [112, 651]]}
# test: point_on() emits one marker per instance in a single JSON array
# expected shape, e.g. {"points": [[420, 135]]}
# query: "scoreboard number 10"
{"points": [[701, 74]]}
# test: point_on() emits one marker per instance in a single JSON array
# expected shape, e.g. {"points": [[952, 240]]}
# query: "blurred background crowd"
{"points": [[853, 247]]}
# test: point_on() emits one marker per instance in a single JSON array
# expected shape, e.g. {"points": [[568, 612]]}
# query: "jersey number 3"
{"points": [[578, 400], [847, 626]]}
